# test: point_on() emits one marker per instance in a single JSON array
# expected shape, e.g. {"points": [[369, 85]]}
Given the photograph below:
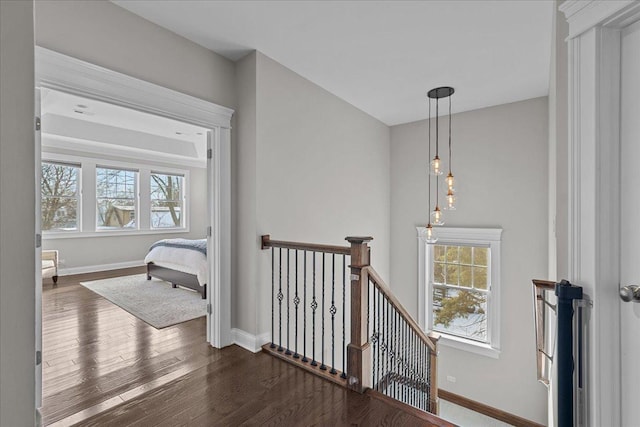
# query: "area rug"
{"points": [[153, 301]]}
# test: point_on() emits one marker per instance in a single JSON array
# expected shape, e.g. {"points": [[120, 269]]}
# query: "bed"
{"points": [[181, 262]]}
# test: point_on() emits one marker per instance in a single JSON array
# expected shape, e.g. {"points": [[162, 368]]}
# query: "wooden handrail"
{"points": [[312, 247], [377, 281], [544, 284]]}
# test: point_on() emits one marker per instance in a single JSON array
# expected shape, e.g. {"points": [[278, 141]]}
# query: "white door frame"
{"points": [[64, 73], [594, 187]]}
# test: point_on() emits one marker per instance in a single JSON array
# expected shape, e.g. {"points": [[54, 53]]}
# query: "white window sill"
{"points": [[109, 233], [468, 345]]}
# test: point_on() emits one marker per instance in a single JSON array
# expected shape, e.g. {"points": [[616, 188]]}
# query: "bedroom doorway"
{"points": [[63, 76]]}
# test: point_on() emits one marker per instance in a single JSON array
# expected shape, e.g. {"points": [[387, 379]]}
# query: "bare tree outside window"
{"points": [[166, 200], [59, 191]]}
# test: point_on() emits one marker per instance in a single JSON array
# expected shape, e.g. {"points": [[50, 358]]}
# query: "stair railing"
{"points": [[387, 351], [404, 357], [309, 306]]}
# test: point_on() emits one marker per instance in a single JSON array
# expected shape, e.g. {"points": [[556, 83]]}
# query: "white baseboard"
{"points": [[100, 267], [249, 341]]}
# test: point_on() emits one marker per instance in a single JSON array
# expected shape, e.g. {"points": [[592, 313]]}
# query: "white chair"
{"points": [[50, 265]]}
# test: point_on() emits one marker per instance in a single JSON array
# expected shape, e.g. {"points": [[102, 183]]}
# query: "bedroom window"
{"points": [[89, 197], [460, 278], [116, 197], [60, 196], [167, 200]]}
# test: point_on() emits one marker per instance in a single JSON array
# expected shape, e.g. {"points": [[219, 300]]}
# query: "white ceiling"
{"points": [[87, 125], [381, 56]]}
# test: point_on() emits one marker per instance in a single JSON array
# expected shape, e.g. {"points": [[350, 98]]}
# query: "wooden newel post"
{"points": [[359, 349], [434, 402]]}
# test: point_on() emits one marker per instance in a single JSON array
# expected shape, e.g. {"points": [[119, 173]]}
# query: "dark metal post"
{"points": [[566, 293]]}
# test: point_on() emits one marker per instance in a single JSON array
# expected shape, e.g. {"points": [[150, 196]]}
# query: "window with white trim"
{"points": [[460, 287], [167, 200], [116, 198], [60, 196]]}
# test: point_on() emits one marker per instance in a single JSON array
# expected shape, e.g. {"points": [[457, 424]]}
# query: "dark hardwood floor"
{"points": [[104, 367]]}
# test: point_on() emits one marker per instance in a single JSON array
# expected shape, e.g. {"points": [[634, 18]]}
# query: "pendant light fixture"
{"points": [[436, 166], [431, 238]]}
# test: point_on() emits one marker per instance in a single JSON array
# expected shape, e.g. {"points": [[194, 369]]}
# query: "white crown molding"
{"points": [[87, 148], [583, 15], [64, 73], [467, 234]]}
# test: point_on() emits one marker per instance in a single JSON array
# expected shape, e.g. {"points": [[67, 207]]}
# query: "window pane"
{"points": [[59, 197], [480, 256], [59, 180], [165, 214], [460, 313], [465, 276], [438, 252], [116, 214], [115, 183], [166, 187], [116, 198], [166, 200], [452, 274], [465, 254], [452, 254], [59, 213], [438, 272], [480, 277]]}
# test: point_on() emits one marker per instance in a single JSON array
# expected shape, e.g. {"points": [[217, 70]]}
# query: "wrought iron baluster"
{"points": [[333, 311], [296, 303], [379, 316], [280, 297], [288, 352], [387, 347], [273, 298], [402, 362], [314, 306], [396, 371], [405, 360], [374, 342], [428, 356], [414, 363], [322, 365], [304, 311], [425, 393], [344, 319]]}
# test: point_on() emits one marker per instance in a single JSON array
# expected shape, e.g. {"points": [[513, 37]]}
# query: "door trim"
{"points": [[64, 73], [594, 186]]}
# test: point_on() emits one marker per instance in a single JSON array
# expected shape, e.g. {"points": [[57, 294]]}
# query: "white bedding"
{"points": [[185, 260]]}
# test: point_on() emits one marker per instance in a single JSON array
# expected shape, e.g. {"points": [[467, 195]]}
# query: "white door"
{"points": [[211, 241], [630, 226], [38, 266]]}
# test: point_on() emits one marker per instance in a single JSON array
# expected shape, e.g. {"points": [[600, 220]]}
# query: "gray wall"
{"points": [[244, 263], [559, 136], [313, 168], [17, 215], [500, 157], [107, 35]]}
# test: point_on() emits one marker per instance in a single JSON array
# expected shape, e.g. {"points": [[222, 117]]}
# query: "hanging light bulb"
{"points": [[436, 216], [431, 238], [449, 180], [436, 166], [451, 200]]}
